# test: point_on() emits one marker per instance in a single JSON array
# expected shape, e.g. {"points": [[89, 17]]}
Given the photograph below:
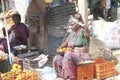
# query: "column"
{"points": [[83, 6]]}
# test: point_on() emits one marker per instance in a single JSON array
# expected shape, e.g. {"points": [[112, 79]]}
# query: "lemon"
{"points": [[15, 66]]}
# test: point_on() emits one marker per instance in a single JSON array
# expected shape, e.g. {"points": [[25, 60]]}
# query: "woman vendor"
{"points": [[18, 34], [77, 40]]}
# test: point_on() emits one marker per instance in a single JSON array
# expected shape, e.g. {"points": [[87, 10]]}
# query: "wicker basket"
{"points": [[104, 69], [85, 72], [5, 66]]}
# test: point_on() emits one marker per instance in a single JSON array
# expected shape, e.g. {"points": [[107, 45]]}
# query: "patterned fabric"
{"points": [[79, 39], [21, 34], [65, 65]]}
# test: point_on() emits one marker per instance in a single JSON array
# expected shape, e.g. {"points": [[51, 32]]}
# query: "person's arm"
{"points": [[4, 32], [86, 31], [64, 44]]}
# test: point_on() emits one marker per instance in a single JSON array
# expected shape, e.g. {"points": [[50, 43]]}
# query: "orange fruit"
{"points": [[60, 50]]}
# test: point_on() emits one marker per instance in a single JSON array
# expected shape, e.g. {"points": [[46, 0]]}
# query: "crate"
{"points": [[104, 69], [85, 72]]}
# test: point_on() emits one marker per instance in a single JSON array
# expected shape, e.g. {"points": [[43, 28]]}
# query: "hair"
{"points": [[16, 15], [73, 19]]}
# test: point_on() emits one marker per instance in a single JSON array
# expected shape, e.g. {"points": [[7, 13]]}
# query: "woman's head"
{"points": [[78, 16], [16, 18], [74, 24]]}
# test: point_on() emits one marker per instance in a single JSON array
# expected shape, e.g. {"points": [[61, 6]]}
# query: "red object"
{"points": [[104, 69], [85, 72], [1, 48]]}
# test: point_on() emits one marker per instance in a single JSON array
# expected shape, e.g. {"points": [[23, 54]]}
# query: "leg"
{"points": [[57, 65], [69, 65]]}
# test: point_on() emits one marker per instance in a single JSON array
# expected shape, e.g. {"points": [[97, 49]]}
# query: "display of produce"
{"points": [[63, 50], [16, 73]]}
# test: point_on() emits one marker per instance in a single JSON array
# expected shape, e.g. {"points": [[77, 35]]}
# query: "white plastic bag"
{"points": [[107, 32], [42, 59], [111, 35], [48, 73]]}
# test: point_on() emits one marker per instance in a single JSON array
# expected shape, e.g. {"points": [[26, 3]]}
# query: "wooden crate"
{"points": [[85, 72], [104, 69]]}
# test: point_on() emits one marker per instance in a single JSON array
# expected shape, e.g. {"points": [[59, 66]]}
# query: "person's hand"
{"points": [[57, 50], [78, 16]]}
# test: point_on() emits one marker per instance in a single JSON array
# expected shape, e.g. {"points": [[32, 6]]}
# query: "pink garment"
{"points": [[0, 77], [65, 66], [1, 48]]}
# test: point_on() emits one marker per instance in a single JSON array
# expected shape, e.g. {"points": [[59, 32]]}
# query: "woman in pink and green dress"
{"points": [[78, 39]]}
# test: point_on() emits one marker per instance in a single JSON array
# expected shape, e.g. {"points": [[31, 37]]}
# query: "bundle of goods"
{"points": [[16, 73], [99, 49], [34, 61], [104, 69]]}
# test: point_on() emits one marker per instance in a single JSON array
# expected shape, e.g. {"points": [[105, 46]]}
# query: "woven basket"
{"points": [[104, 69], [85, 72], [5, 66]]}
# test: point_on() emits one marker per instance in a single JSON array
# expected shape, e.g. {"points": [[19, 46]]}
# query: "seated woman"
{"points": [[18, 34], [78, 40]]}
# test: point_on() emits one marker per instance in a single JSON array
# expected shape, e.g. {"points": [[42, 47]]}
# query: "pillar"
{"points": [[83, 6]]}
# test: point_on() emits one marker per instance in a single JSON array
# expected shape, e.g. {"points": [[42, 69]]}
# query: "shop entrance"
{"points": [[106, 9]]}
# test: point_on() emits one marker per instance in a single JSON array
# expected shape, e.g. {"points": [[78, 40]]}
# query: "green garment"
{"points": [[80, 39]]}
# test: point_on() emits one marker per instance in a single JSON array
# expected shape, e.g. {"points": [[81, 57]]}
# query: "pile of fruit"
{"points": [[64, 50], [17, 73]]}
